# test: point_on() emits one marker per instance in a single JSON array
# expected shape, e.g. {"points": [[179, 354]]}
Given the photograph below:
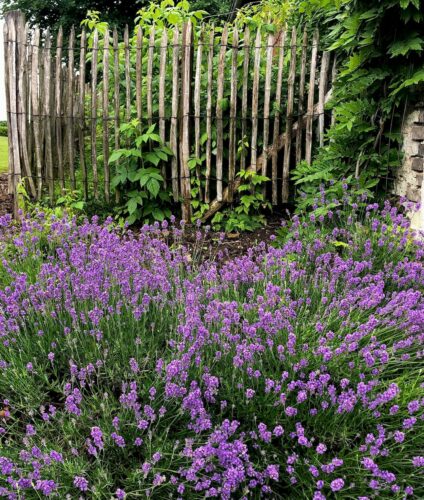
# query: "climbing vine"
{"points": [[380, 47]]}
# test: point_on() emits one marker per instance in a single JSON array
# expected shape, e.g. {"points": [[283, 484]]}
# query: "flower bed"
{"points": [[130, 370]]}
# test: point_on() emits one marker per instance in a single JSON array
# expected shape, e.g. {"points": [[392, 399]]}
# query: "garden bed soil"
{"points": [[235, 244], [6, 201]]}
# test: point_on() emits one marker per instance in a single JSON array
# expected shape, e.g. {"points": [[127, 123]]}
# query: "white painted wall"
{"points": [[2, 95]]}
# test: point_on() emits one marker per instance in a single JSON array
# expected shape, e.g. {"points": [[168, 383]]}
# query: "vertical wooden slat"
{"points": [[209, 115], [81, 128], [22, 35], [65, 117], [59, 102], [149, 77], [10, 48], [127, 76], [311, 91], [185, 122], [267, 99], [174, 114], [94, 64], [299, 131], [197, 89], [36, 109], [70, 109], [105, 107], [219, 114], [255, 101], [246, 53], [322, 88], [47, 114], [162, 84], [138, 74], [7, 95], [289, 118], [116, 98], [29, 118], [233, 117], [333, 79], [277, 104]]}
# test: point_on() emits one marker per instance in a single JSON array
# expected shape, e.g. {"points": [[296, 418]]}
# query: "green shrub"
{"points": [[3, 129]]}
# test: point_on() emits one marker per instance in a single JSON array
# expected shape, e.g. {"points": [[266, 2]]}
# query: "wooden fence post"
{"points": [[185, 122], [10, 53]]}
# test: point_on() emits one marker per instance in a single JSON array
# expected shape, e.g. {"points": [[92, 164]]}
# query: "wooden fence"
{"points": [[221, 99]]}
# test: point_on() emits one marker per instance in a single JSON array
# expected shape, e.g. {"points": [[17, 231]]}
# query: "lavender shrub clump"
{"points": [[129, 370]]}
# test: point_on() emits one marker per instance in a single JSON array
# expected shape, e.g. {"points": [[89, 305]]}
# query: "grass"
{"points": [[3, 155]]}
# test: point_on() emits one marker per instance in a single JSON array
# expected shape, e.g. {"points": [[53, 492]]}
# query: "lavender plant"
{"points": [[129, 370]]}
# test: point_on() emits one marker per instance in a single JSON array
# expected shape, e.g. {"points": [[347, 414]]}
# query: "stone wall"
{"points": [[409, 181]]}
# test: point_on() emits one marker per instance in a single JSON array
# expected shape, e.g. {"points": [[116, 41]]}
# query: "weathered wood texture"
{"points": [[222, 100]]}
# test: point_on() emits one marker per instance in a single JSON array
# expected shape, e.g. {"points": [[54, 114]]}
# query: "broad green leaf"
{"points": [[132, 205], [174, 18], [153, 187], [401, 47], [152, 158], [115, 155], [158, 214]]}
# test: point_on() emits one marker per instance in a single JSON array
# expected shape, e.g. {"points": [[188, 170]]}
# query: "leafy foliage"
{"points": [[66, 13], [380, 48], [3, 129], [247, 215], [69, 204], [138, 176]]}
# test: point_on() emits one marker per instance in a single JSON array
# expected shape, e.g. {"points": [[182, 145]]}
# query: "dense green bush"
{"points": [[380, 49], [3, 129]]}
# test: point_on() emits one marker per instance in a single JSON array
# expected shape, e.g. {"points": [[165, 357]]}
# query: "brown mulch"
{"points": [[233, 244], [6, 201]]}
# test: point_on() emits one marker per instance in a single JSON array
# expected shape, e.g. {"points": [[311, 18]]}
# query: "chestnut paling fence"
{"points": [[222, 99]]}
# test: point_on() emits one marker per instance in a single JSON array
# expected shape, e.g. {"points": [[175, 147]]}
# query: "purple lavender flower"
{"points": [[418, 461], [120, 494], [337, 484], [321, 449], [81, 483]]}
